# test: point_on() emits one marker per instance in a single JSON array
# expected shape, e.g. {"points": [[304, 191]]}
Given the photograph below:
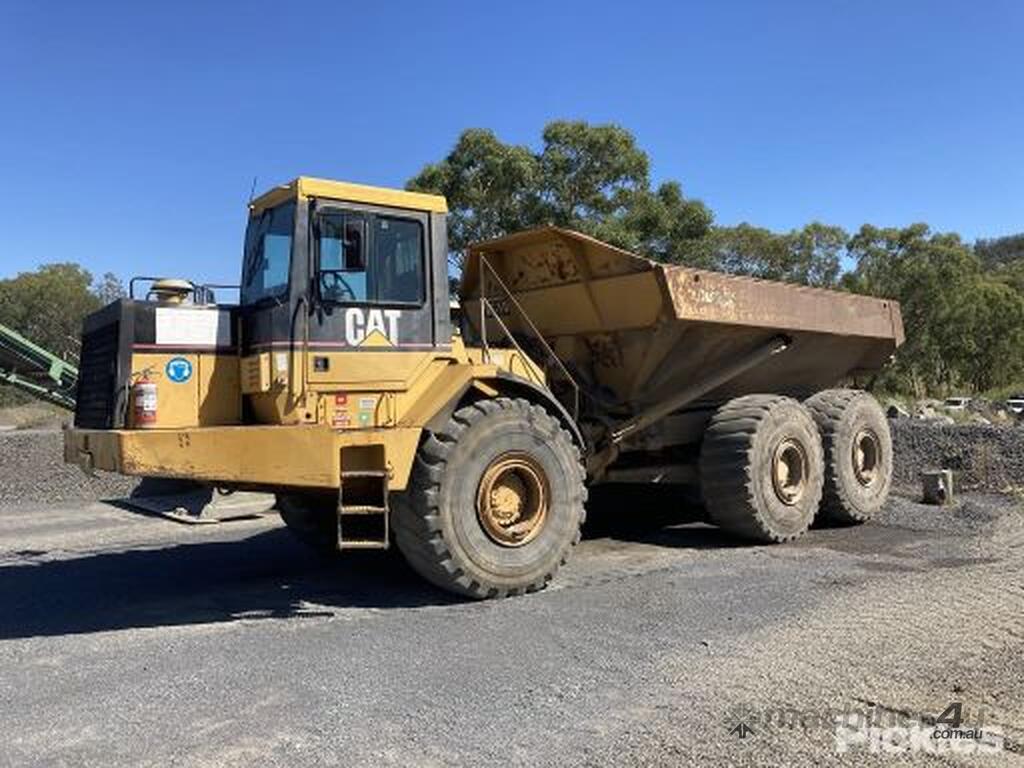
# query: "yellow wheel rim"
{"points": [[789, 471], [866, 457], [512, 499]]}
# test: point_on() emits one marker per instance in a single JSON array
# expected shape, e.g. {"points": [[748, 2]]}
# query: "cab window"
{"points": [[398, 260], [268, 253], [343, 250], [365, 258]]}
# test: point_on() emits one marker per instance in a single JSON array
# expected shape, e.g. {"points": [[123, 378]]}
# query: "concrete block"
{"points": [[937, 486]]}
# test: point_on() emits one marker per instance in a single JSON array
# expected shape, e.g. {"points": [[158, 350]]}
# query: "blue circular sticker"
{"points": [[179, 370]]}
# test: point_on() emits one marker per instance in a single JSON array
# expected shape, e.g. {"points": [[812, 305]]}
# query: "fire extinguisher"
{"points": [[144, 399]]}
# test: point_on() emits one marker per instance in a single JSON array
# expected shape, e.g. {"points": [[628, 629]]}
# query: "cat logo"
{"points": [[371, 327]]}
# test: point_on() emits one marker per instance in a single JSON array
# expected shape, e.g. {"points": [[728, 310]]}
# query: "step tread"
{"points": [[364, 544], [362, 509]]}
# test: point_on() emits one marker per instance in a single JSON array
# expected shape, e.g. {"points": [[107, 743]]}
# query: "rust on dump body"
{"points": [[637, 330]]}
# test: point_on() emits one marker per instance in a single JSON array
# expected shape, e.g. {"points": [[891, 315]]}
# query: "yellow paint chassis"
{"points": [[263, 456], [317, 436]]}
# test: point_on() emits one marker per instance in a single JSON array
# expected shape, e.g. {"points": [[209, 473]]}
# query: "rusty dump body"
{"points": [[632, 333]]}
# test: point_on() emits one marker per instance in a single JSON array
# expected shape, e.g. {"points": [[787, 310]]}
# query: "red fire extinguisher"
{"points": [[144, 399]]}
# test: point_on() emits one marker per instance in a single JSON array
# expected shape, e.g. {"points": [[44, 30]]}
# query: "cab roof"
{"points": [[307, 186]]}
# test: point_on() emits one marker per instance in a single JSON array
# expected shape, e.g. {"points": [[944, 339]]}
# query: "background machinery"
{"points": [[36, 371]]}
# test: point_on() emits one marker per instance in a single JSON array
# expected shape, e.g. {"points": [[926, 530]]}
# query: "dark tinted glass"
{"points": [[386, 268], [398, 261], [268, 253]]}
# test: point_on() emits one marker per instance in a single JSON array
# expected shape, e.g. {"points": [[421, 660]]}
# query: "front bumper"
{"points": [[252, 455]]}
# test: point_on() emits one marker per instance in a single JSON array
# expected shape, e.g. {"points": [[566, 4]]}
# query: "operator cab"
{"points": [[357, 260], [330, 267]]}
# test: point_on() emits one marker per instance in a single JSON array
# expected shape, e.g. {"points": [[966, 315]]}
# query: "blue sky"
{"points": [[130, 132]]}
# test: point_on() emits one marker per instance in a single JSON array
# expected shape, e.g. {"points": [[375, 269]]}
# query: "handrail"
{"points": [[302, 303], [486, 305], [201, 292]]}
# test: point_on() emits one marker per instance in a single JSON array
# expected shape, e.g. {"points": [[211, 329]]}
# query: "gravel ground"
{"points": [[131, 640], [981, 457], [32, 469]]}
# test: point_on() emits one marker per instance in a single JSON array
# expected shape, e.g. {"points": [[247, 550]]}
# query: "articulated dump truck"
{"points": [[344, 382]]}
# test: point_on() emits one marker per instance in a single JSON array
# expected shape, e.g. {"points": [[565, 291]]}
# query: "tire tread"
{"points": [[727, 473], [416, 516]]}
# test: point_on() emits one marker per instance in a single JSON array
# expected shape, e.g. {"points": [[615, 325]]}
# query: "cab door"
{"points": [[373, 318]]}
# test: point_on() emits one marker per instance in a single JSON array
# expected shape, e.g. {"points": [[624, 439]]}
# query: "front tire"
{"points": [[495, 502], [761, 468]]}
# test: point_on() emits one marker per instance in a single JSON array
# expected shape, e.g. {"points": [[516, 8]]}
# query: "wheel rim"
{"points": [[512, 499], [866, 457], [790, 469]]}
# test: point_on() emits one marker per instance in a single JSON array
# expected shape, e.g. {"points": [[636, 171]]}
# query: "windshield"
{"points": [[268, 253]]}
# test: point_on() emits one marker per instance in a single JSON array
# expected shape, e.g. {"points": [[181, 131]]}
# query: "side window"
{"points": [[268, 252], [397, 260], [370, 259], [343, 247]]}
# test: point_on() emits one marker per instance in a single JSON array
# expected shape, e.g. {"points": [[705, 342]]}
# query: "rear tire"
{"points": [[858, 454], [495, 501], [761, 468]]}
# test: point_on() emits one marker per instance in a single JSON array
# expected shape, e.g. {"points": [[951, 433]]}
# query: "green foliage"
{"points": [[592, 178], [964, 326], [1003, 257], [492, 188], [810, 255], [993, 319], [1001, 252], [589, 175], [1005, 392], [47, 306], [662, 225], [1012, 275], [109, 289]]}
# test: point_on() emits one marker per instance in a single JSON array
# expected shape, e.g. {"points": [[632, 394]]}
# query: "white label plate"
{"points": [[193, 327]]}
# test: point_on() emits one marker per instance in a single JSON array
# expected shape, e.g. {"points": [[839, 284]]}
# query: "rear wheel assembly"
{"points": [[761, 468], [858, 454], [495, 502]]}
